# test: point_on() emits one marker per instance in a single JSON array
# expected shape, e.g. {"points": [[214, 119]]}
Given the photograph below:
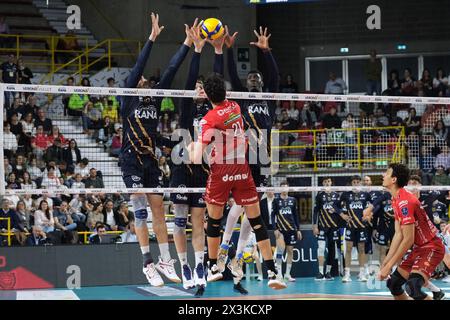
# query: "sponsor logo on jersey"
{"points": [[145, 113], [403, 203], [405, 211], [250, 200], [328, 206], [137, 185], [226, 110], [259, 108], [233, 117], [236, 177], [181, 197], [285, 211], [356, 205], [135, 178]]}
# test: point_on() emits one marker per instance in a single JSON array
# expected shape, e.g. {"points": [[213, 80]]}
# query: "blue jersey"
{"points": [[428, 200], [284, 214], [141, 114], [439, 210], [383, 214], [327, 209], [353, 204]]}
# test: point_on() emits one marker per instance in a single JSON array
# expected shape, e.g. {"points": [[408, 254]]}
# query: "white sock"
{"points": [[183, 258], [199, 256], [432, 287], [327, 269], [288, 269], [279, 262], [145, 249], [347, 271], [233, 216], [244, 235], [164, 251], [361, 270]]}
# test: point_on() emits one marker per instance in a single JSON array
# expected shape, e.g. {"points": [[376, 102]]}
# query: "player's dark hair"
{"points": [[255, 72], [215, 88], [284, 183], [401, 172], [415, 177], [326, 178], [356, 177]]}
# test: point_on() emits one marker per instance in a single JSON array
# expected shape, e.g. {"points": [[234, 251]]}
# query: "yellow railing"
{"points": [[319, 141], [8, 234], [80, 61]]}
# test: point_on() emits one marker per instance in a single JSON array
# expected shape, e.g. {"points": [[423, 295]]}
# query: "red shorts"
{"points": [[425, 258], [234, 178]]}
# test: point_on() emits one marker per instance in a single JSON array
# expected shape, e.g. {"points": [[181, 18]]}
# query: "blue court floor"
{"points": [[302, 289]]}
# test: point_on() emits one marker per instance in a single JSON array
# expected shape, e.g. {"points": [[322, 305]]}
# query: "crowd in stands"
{"points": [[38, 155]]}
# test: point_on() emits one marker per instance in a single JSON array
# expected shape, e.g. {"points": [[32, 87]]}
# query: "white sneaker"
{"points": [[235, 267], [152, 275], [288, 278], [259, 278], [346, 278], [446, 279], [362, 277], [222, 258], [188, 281], [214, 274], [199, 276], [276, 281], [168, 269]]}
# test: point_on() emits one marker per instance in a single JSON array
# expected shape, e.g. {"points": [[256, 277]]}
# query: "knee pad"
{"points": [[213, 228], [321, 248], [181, 214], [139, 203], [414, 286], [259, 228], [395, 283]]}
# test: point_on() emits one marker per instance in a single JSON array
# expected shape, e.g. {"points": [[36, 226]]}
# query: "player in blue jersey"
{"points": [[191, 175], [326, 221], [139, 163], [353, 204], [287, 229]]}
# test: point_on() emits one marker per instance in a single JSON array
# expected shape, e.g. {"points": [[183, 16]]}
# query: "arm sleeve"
{"points": [[186, 104], [138, 69], [273, 71], [232, 72], [174, 65], [407, 212], [218, 64], [296, 219], [207, 126]]}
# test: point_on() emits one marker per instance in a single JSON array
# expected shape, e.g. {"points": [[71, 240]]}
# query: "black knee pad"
{"points": [[414, 286], [213, 228], [259, 228], [395, 283]]}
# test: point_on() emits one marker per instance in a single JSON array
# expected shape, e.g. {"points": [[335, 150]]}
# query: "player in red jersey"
{"points": [[222, 128], [413, 229]]}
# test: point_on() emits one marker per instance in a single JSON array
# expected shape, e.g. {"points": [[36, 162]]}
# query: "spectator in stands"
{"points": [[27, 183], [426, 82], [440, 131], [20, 166], [381, 120], [408, 84], [289, 86], [293, 111], [331, 120], [35, 171], [28, 130], [24, 73], [56, 134], [50, 180], [37, 237], [91, 119], [9, 75], [66, 98], [286, 122], [412, 122], [44, 217], [125, 216], [427, 164], [394, 84], [175, 123], [111, 217], [76, 104], [164, 124], [5, 42], [440, 178], [116, 144], [46, 198], [72, 154], [373, 71], [67, 47], [78, 183], [440, 83], [106, 132], [12, 182], [7, 165], [7, 212], [43, 121], [130, 234], [110, 110], [55, 152], [85, 82], [82, 168], [23, 216], [94, 181], [31, 105], [443, 159], [10, 144], [349, 123], [308, 118], [16, 108], [335, 85], [95, 215], [64, 222], [165, 169], [97, 238]]}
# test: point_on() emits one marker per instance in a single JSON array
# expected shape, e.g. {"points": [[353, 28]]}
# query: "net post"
{"points": [[2, 152]]}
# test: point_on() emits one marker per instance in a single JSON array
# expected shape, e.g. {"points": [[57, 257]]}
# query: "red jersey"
{"points": [[408, 210], [223, 125]]}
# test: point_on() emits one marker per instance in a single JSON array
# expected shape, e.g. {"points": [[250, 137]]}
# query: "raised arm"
{"points": [[232, 70], [272, 82], [217, 44]]}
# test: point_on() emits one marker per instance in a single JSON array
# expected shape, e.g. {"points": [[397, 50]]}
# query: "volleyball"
{"points": [[212, 28], [248, 257]]}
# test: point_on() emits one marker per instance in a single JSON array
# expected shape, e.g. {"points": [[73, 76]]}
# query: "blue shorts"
{"points": [[356, 235], [181, 178], [136, 175], [328, 234], [384, 235], [260, 179], [290, 237]]}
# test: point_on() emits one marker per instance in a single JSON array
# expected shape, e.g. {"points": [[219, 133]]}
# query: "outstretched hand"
{"points": [[229, 40], [194, 35], [156, 29], [219, 42], [263, 39]]}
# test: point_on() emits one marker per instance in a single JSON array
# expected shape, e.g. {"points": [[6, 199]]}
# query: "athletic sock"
{"points": [[183, 258], [164, 251], [145, 249], [199, 256], [288, 270], [327, 269], [232, 218], [432, 287], [147, 259], [212, 262], [347, 271], [270, 265], [279, 261]]}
